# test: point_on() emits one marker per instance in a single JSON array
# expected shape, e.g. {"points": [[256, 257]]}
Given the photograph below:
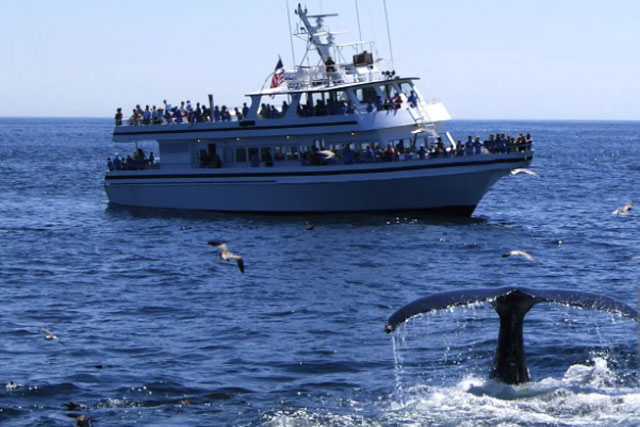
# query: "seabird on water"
{"points": [[518, 253], [624, 209], [516, 171], [225, 255], [309, 225]]}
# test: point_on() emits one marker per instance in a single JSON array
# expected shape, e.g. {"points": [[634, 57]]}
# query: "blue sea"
{"points": [[153, 329]]}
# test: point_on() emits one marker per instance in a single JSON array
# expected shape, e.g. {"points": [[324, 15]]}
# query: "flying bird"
{"points": [[624, 209], [518, 253], [48, 335], [227, 256], [516, 171], [309, 225]]}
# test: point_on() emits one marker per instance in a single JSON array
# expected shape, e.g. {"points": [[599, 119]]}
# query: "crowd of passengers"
{"points": [[187, 113], [497, 143], [139, 160]]}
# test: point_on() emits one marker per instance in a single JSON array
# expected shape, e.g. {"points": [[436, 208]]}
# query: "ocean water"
{"points": [[154, 330]]}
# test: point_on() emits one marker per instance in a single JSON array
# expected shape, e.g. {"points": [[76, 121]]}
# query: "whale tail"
{"points": [[512, 304]]}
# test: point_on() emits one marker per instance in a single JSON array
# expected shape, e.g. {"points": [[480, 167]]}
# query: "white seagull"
{"points": [[624, 209], [48, 335], [518, 253], [516, 171], [309, 225], [227, 256]]}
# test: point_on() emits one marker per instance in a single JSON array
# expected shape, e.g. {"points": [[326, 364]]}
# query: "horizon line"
{"points": [[452, 120]]}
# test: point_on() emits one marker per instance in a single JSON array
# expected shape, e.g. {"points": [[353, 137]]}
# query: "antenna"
{"points": [[386, 17], [293, 54], [358, 15]]}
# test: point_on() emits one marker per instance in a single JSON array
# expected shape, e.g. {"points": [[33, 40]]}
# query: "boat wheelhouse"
{"points": [[344, 135]]}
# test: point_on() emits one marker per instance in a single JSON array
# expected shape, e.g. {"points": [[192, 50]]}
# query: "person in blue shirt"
{"points": [[369, 107], [368, 155], [217, 115], [347, 156], [468, 146], [378, 103], [245, 110], [477, 145], [413, 99], [422, 153], [350, 108]]}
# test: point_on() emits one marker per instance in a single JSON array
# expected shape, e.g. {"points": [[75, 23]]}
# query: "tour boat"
{"points": [[353, 136]]}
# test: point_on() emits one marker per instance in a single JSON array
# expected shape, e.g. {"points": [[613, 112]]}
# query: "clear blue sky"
{"points": [[494, 59]]}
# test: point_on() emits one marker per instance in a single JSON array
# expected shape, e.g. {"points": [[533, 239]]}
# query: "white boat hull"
{"points": [[455, 185]]}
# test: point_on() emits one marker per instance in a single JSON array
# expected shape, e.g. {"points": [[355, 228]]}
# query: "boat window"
{"points": [[278, 153], [293, 153], [305, 107], [241, 155], [227, 155], [387, 91], [253, 156], [366, 95], [265, 153], [406, 88]]}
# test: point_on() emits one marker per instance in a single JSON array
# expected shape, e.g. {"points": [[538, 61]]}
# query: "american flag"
{"points": [[278, 75]]}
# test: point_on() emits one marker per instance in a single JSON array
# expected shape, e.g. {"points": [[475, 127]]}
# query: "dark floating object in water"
{"points": [[98, 366], [73, 406], [309, 225], [511, 304], [81, 420]]}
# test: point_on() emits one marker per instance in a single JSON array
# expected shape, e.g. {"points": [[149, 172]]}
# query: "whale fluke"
{"points": [[511, 304]]}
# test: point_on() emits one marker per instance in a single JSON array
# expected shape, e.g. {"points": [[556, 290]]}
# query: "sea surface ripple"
{"points": [[153, 329]]}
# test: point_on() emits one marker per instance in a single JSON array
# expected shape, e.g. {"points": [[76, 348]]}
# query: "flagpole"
{"points": [[293, 54]]}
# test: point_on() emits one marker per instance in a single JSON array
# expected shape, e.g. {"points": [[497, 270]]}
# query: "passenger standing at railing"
{"points": [[146, 116], [468, 146], [369, 107], [237, 113], [133, 120], [459, 149], [397, 101], [245, 110], [183, 111], [189, 109], [206, 113], [216, 113], [156, 116], [118, 117], [379, 104], [528, 142], [477, 145], [284, 108], [413, 99]]}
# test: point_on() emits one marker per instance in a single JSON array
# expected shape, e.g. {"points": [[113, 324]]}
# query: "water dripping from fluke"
{"points": [[512, 304]]}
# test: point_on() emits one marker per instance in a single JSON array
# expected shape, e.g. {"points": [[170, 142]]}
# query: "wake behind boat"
{"points": [[349, 136]]}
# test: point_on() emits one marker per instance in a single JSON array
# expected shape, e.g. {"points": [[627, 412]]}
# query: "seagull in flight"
{"points": [[227, 256], [518, 253], [624, 209], [516, 171], [48, 335]]}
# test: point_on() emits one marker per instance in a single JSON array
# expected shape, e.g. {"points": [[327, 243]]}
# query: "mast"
{"points": [[314, 32]]}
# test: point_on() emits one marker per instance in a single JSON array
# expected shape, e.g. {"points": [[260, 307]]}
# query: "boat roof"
{"points": [[326, 88]]}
